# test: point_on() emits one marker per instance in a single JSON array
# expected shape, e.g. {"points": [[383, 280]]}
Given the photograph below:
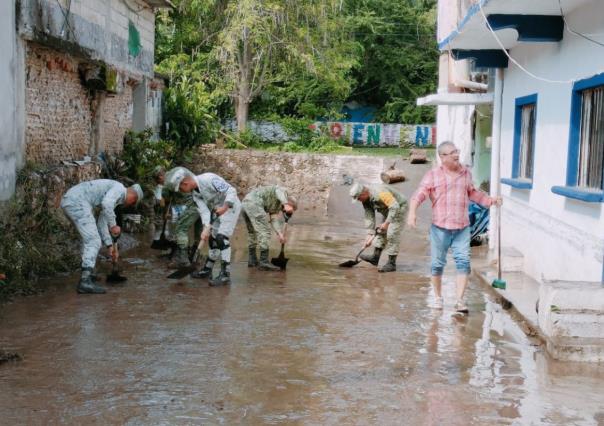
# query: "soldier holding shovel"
{"points": [[393, 207], [213, 194], [79, 204], [260, 209]]}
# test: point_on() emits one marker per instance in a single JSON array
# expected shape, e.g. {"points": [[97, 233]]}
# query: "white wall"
{"points": [[560, 238], [11, 93]]}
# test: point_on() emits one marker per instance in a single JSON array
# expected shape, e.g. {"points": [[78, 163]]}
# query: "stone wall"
{"points": [[58, 116], [117, 119], [308, 176], [61, 114]]}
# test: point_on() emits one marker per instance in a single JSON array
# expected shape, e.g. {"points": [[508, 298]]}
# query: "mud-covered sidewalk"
{"points": [[314, 345]]}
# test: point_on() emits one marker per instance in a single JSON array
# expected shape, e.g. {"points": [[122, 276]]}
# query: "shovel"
{"points": [[186, 270], [114, 276], [281, 261], [163, 243], [356, 261]]}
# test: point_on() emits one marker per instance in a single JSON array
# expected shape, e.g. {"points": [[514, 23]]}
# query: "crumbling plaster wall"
{"points": [[61, 113], [96, 28], [58, 117], [117, 119]]}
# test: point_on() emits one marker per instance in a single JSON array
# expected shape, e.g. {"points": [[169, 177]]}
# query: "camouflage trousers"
{"points": [[258, 226], [81, 215], [189, 218], [391, 242]]}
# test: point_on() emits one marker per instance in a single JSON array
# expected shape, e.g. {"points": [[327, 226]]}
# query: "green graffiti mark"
{"points": [[134, 39], [373, 134]]}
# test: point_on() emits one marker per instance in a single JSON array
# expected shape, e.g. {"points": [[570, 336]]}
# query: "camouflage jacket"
{"points": [[385, 200]]}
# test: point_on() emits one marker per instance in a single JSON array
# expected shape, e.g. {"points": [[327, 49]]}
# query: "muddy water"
{"points": [[315, 345]]}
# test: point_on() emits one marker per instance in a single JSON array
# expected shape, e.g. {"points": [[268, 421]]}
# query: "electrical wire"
{"points": [[547, 80], [570, 30]]}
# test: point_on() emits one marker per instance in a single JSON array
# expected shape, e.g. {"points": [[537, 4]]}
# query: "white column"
{"points": [[496, 156]]}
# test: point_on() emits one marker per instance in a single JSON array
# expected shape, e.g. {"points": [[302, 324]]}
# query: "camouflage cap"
{"points": [[291, 200], [175, 176], [158, 171], [356, 190], [139, 193]]}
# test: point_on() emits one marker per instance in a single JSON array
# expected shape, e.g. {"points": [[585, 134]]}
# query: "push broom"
{"points": [[499, 282]]}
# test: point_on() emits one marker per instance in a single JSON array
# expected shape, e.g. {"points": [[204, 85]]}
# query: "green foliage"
{"points": [[399, 60], [189, 111], [243, 140], [141, 155], [37, 239], [298, 58]]}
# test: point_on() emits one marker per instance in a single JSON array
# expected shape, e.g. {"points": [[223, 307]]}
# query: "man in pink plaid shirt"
{"points": [[450, 189]]}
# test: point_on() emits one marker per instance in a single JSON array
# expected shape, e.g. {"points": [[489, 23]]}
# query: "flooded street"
{"points": [[315, 345]]}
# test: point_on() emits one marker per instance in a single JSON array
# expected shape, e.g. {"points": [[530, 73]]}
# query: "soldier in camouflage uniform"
{"points": [[79, 204], [393, 207], [219, 208], [189, 218], [256, 205]]}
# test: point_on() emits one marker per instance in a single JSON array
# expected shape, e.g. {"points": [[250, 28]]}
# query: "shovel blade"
{"points": [[115, 277], [182, 272], [161, 244], [280, 262], [349, 263]]}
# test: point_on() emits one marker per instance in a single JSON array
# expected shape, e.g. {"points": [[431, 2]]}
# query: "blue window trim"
{"points": [[515, 181], [518, 183], [589, 196], [572, 166]]}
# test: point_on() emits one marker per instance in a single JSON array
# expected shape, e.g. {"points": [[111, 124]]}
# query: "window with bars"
{"points": [[585, 161], [525, 125], [591, 139]]}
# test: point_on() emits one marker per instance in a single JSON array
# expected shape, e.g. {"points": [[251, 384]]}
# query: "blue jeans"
{"points": [[458, 240]]}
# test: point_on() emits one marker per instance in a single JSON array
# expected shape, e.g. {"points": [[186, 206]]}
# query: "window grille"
{"points": [[591, 139], [527, 142]]}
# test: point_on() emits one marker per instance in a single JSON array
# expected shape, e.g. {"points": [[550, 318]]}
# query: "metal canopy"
{"points": [[472, 32], [456, 99]]}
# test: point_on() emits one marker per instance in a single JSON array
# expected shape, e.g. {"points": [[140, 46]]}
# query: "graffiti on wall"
{"points": [[377, 134], [354, 134]]}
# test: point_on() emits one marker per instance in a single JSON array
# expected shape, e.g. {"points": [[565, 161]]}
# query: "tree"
{"points": [[399, 60], [260, 40]]}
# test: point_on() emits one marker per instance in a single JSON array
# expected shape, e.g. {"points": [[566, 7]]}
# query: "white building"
{"points": [[548, 157]]}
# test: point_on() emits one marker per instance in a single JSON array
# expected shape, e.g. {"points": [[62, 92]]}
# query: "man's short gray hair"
{"points": [[443, 145]]}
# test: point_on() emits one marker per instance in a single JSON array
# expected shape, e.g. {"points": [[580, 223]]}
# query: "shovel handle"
{"points": [[370, 241], [198, 250]]}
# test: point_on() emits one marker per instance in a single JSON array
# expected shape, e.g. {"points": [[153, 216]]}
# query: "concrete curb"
{"points": [[531, 330]]}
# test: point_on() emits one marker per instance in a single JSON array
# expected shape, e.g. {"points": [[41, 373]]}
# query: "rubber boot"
{"points": [[206, 272], [224, 278], [264, 264], [390, 266], [86, 285], [252, 260], [180, 259], [374, 259], [94, 276]]}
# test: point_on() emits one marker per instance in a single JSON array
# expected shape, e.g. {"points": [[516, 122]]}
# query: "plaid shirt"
{"points": [[450, 196]]}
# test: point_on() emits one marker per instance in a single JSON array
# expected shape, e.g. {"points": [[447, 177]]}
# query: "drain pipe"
{"points": [[496, 157]]}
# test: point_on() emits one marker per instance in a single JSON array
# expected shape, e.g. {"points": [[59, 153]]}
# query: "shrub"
{"points": [[37, 239]]}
